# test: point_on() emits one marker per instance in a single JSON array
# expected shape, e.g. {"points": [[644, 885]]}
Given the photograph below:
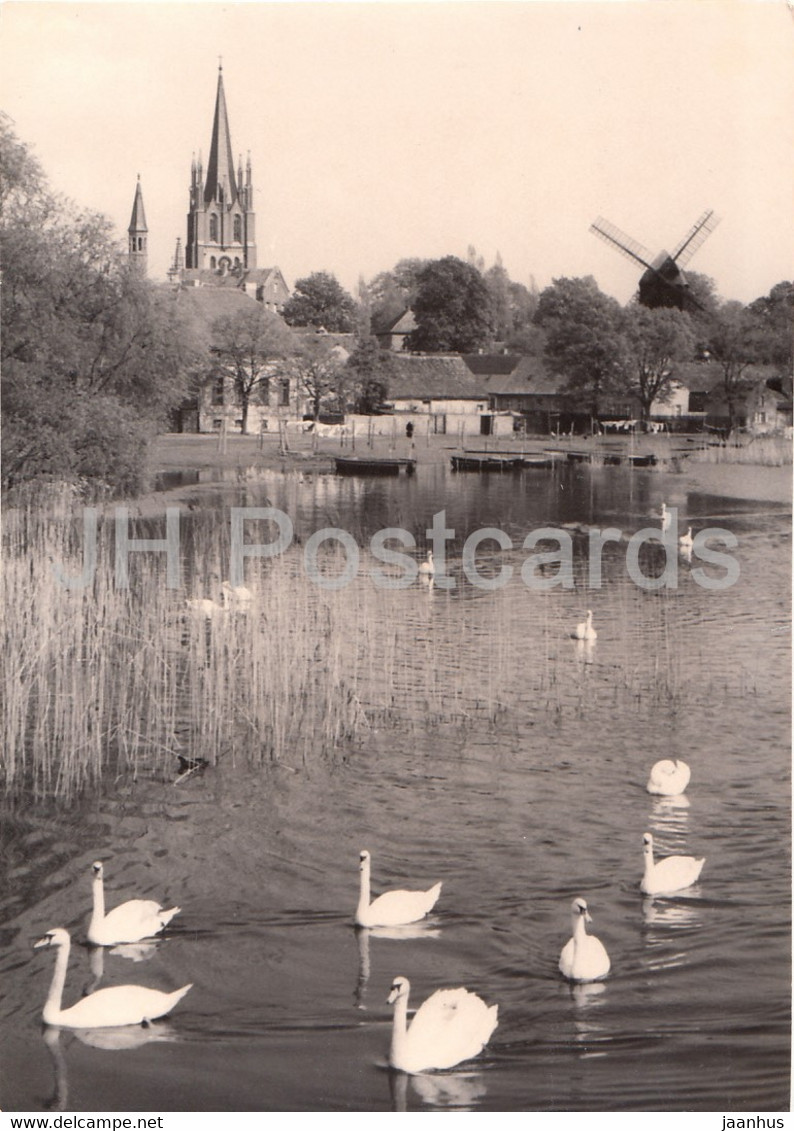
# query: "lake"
{"points": [[497, 755]]}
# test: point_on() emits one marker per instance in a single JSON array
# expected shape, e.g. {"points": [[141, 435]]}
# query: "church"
{"points": [[220, 244], [215, 273]]}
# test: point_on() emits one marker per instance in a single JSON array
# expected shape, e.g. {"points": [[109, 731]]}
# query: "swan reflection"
{"points": [[134, 952], [423, 930], [584, 651], [460, 1091], [675, 915], [111, 1040]]}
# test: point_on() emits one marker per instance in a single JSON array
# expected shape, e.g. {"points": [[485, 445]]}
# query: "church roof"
{"points": [[138, 219], [220, 169]]}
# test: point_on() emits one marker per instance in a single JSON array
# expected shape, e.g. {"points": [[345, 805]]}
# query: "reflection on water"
{"points": [[459, 1091], [504, 759], [423, 930]]}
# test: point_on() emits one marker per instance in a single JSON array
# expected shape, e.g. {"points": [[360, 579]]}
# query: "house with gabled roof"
{"points": [[441, 393]]}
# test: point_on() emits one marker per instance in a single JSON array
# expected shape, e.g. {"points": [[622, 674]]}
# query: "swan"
{"points": [[585, 630], [393, 908], [666, 517], [669, 778], [451, 1026], [115, 1005], [584, 957], [427, 568], [203, 607], [673, 873], [235, 595], [686, 541], [129, 922]]}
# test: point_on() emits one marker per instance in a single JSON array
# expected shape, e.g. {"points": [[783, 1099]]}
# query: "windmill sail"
{"points": [[612, 235], [697, 235]]}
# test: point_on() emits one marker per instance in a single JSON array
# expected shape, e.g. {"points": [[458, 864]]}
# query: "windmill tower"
{"points": [[663, 283]]}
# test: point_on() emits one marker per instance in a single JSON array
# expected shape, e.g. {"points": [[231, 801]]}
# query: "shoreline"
{"points": [[174, 453]]}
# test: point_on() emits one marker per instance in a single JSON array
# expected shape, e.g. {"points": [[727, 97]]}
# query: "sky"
{"points": [[379, 131]]}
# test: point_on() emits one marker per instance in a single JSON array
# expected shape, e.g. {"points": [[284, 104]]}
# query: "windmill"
{"points": [[663, 282]]}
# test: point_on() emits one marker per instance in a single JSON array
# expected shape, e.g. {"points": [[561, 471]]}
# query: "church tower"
{"points": [[138, 233], [221, 234]]}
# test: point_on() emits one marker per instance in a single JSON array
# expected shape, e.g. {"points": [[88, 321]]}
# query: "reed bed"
{"points": [[764, 451], [102, 681]]}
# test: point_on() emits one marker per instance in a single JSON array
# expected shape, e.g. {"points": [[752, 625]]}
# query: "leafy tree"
{"points": [[452, 308], [371, 368], [93, 356], [735, 343], [657, 338], [774, 314], [584, 337], [319, 300], [321, 374], [391, 293], [246, 344], [512, 303]]}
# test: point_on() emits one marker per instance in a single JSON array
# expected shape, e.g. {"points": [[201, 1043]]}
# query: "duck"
{"points": [[669, 778], [673, 873], [584, 957], [666, 518], [686, 541], [129, 922], [393, 908], [427, 568], [585, 630], [114, 1005], [450, 1027]]}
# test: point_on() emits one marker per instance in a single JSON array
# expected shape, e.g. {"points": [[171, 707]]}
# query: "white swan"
{"points": [[666, 517], [393, 908], [673, 873], [669, 778], [686, 541], [584, 957], [203, 607], [585, 630], [115, 1005], [235, 596], [427, 568], [129, 922], [451, 1026]]}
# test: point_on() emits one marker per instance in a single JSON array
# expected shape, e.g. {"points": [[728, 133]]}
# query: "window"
{"points": [[283, 392], [264, 390], [238, 229], [213, 262], [214, 228], [217, 390]]}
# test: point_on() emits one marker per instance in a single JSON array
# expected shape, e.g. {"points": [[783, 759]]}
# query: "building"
{"points": [[441, 395], [138, 234], [220, 247]]}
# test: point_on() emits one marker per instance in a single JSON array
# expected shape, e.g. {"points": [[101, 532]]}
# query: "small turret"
{"points": [[138, 233]]}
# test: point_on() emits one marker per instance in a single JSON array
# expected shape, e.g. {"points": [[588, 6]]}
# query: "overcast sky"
{"points": [[384, 130]]}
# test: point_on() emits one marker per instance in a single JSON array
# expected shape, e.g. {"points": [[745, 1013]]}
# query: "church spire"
{"points": [[220, 169], [138, 232]]}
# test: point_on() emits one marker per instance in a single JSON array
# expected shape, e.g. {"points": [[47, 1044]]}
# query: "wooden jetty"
{"points": [[374, 465], [499, 461]]}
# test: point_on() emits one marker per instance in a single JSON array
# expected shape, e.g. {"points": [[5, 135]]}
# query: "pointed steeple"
{"points": [[138, 218], [220, 169], [138, 232]]}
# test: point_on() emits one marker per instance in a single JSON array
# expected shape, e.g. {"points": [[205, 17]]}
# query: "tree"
{"points": [[735, 343], [774, 314], [371, 368], [246, 344], [321, 374], [320, 301], [391, 293], [452, 308], [584, 337], [657, 338], [93, 357]]}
